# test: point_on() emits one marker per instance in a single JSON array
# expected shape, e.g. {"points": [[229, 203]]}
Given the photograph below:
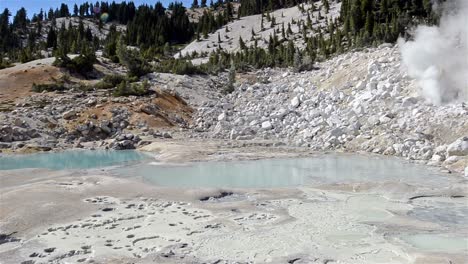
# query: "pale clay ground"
{"points": [[86, 216]]}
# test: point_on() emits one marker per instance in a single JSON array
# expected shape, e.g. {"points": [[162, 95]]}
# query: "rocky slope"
{"points": [[359, 101], [243, 27], [46, 121]]}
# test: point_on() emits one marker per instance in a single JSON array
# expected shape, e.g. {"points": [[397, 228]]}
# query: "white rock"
{"points": [[220, 128], [458, 148], [385, 45], [389, 151], [409, 101], [441, 150], [373, 120], [359, 110], [336, 132], [452, 159], [371, 86], [437, 157], [372, 68], [222, 116], [69, 114], [295, 102], [384, 119], [281, 113], [227, 106], [360, 85], [233, 134], [267, 125]]}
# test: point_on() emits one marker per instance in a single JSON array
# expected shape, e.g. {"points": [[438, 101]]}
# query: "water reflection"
{"points": [[285, 172]]}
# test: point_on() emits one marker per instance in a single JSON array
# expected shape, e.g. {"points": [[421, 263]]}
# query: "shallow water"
{"points": [[72, 159], [270, 173], [437, 242], [446, 215]]}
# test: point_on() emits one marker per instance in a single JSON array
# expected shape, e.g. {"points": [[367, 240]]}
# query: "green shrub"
{"points": [[126, 89], [110, 81], [4, 64], [38, 88], [179, 66], [132, 59], [81, 64], [231, 79]]}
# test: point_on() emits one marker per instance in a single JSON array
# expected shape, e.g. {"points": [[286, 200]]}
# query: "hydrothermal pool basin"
{"points": [[71, 159], [271, 173]]}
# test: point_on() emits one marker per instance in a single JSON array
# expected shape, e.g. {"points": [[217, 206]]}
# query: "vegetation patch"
{"points": [[48, 87], [82, 64], [126, 89], [179, 66], [110, 81]]}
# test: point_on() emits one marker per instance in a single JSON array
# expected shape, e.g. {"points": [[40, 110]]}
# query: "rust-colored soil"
{"points": [[168, 105], [16, 82]]}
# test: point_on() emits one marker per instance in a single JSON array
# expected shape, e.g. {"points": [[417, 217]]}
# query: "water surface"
{"points": [[438, 242], [71, 159], [324, 169]]}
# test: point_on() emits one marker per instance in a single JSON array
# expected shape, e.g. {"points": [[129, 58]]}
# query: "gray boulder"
{"points": [[458, 148]]}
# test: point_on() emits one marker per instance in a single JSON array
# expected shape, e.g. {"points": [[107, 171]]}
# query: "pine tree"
{"points": [[195, 4], [64, 11], [297, 64], [231, 78], [309, 21], [384, 5], [369, 26], [289, 31], [242, 44], [20, 20], [356, 16], [326, 5], [261, 24], [51, 41], [75, 10], [283, 33]]}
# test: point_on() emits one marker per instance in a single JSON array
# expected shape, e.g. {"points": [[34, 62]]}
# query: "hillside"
{"points": [[92, 24], [16, 82], [356, 98], [194, 14], [359, 101], [243, 28]]}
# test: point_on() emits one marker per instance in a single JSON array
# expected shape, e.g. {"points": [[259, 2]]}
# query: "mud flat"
{"points": [[97, 216]]}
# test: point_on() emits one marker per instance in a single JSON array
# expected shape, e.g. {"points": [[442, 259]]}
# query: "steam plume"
{"points": [[438, 56]]}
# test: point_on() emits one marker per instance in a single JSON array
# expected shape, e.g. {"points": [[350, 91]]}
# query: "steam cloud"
{"points": [[438, 56]]}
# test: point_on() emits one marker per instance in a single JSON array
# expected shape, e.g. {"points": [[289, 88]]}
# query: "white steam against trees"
{"points": [[437, 57]]}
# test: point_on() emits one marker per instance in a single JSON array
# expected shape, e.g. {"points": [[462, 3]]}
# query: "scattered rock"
{"points": [[69, 114], [458, 148], [267, 125]]}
